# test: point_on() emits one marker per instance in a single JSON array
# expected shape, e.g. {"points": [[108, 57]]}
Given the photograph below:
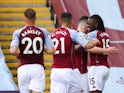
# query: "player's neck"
{"points": [[65, 26], [30, 23], [81, 30]]}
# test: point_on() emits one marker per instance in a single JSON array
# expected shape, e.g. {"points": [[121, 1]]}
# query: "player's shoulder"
{"points": [[72, 30], [41, 28], [93, 34], [104, 34], [44, 30], [18, 31], [61, 29]]}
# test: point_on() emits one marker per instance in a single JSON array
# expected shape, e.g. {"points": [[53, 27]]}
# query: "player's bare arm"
{"points": [[92, 43], [98, 50], [78, 47], [14, 51], [49, 50]]}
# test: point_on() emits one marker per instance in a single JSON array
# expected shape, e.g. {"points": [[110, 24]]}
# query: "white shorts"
{"points": [[65, 80], [97, 76], [85, 83], [31, 77]]}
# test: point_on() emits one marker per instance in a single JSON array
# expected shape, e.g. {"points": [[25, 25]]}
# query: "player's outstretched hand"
{"points": [[113, 50]]}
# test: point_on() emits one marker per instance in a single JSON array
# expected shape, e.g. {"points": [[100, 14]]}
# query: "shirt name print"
{"points": [[104, 34], [31, 32], [59, 32]]}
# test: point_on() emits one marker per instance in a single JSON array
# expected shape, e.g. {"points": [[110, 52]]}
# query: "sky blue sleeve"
{"points": [[15, 39], [48, 41], [93, 34], [80, 37]]}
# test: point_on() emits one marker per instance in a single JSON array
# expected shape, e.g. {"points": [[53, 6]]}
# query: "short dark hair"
{"points": [[66, 17], [100, 22], [82, 20], [30, 13]]}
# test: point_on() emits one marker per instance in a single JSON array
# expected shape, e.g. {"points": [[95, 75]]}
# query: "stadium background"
{"points": [[49, 12]]}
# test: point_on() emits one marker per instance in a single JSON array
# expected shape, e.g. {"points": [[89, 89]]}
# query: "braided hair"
{"points": [[99, 20]]}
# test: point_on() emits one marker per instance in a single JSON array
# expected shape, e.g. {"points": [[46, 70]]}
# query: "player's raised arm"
{"points": [[84, 40]]}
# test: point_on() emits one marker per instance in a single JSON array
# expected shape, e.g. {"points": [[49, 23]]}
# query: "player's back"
{"points": [[63, 57], [100, 59], [31, 45], [81, 60]]}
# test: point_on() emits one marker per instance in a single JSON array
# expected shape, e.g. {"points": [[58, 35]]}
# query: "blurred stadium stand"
{"points": [[77, 8]]}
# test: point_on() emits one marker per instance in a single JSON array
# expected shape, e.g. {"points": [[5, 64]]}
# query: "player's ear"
{"points": [[24, 18], [71, 23], [60, 21], [35, 17], [96, 24]]}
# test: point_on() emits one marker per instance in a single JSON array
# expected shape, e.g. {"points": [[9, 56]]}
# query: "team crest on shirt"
{"points": [[85, 37]]}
